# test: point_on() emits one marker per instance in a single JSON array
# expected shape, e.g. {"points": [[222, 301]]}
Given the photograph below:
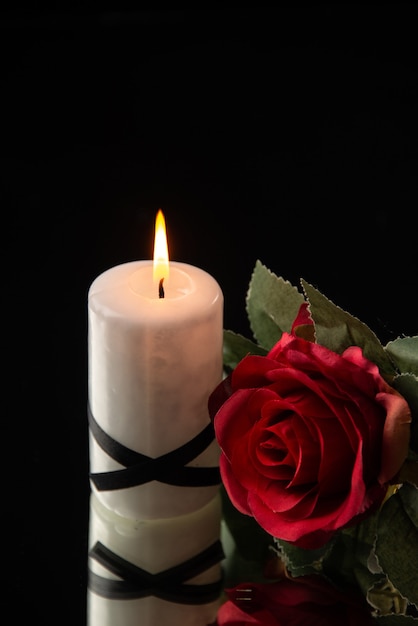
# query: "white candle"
{"points": [[153, 362], [154, 546]]}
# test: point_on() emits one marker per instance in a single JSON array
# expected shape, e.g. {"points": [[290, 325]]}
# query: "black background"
{"points": [[287, 135]]}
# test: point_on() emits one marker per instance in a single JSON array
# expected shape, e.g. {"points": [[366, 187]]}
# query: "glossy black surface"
{"points": [[288, 136]]}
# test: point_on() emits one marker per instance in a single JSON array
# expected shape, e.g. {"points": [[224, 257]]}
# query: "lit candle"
{"points": [[155, 354]]}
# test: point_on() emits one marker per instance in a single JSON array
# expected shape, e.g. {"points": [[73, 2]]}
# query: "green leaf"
{"points": [[404, 353], [251, 540], [396, 620], [300, 562], [407, 385], [397, 541], [272, 304], [348, 563], [337, 330], [236, 567], [236, 347]]}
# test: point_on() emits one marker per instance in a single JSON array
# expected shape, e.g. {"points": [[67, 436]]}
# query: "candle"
{"points": [[155, 354], [131, 580]]}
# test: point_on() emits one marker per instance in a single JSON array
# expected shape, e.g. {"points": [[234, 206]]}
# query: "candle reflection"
{"points": [[154, 572]]}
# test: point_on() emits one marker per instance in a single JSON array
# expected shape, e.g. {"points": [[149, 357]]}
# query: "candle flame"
{"points": [[161, 266]]}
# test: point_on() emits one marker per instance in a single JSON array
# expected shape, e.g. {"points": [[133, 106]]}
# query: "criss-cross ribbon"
{"points": [[170, 584], [170, 468]]}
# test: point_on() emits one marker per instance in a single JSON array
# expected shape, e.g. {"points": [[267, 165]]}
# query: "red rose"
{"points": [[310, 439], [293, 602]]}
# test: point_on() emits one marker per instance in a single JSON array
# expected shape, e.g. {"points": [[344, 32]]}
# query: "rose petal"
{"points": [[237, 493], [396, 434]]}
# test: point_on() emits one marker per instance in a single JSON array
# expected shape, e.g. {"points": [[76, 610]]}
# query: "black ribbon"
{"points": [[168, 585], [170, 468]]}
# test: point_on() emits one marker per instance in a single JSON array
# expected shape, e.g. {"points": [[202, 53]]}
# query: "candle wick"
{"points": [[161, 289]]}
